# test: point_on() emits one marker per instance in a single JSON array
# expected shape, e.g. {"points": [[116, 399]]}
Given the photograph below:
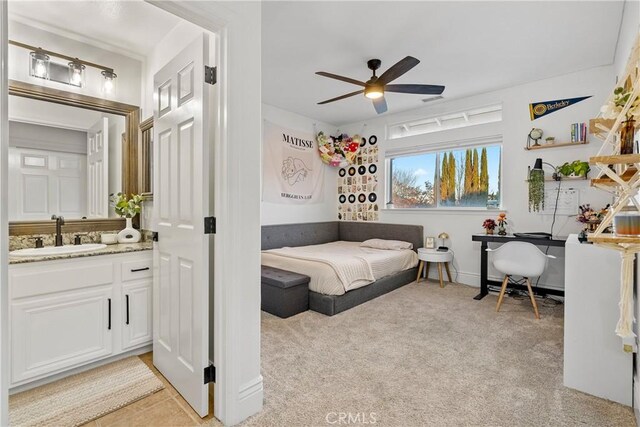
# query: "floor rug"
{"points": [[80, 398]]}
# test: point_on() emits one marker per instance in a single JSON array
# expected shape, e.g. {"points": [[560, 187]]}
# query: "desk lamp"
{"points": [[444, 236]]}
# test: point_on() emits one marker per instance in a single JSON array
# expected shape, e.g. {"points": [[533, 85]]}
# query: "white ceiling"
{"points": [[131, 27], [470, 47]]}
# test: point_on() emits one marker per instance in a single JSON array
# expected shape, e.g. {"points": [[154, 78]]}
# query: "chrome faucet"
{"points": [[59, 223]]}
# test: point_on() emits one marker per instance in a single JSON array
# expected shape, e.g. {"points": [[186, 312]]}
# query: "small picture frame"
{"points": [[430, 242]]}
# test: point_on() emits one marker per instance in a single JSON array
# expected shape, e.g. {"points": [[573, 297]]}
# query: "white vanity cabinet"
{"points": [[71, 312], [137, 282]]}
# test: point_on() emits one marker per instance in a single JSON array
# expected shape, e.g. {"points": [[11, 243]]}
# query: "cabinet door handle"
{"points": [[127, 300], [135, 270], [109, 314]]}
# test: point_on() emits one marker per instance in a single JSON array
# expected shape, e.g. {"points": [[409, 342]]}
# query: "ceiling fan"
{"points": [[375, 87]]}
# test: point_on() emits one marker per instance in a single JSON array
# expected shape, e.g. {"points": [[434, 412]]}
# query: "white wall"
{"points": [[629, 30], [273, 213], [514, 128], [129, 70]]}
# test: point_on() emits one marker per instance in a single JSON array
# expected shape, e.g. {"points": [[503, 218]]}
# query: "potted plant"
{"points": [[489, 225], [127, 208], [550, 140], [536, 189], [576, 168], [502, 222]]}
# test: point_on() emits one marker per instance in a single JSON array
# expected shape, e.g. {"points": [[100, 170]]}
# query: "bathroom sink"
{"points": [[58, 250]]}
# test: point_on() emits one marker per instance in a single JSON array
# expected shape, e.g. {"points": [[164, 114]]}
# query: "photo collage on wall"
{"points": [[358, 185]]}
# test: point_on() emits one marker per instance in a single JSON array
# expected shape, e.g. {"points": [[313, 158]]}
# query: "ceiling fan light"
{"points": [[373, 92]]}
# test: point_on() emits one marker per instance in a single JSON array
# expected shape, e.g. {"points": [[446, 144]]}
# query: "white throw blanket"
{"points": [[352, 270]]}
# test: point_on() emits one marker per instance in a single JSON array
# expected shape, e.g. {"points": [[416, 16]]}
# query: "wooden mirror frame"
{"points": [[145, 180], [130, 173]]}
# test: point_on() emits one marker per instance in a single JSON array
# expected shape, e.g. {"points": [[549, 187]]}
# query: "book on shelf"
{"points": [[579, 132]]}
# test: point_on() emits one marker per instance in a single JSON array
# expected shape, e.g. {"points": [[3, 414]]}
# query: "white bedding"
{"points": [[337, 267]]}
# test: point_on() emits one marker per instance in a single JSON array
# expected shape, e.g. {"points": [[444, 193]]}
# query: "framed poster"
{"points": [[430, 242]]}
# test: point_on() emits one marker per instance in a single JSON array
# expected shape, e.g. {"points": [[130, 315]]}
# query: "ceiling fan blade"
{"points": [[380, 104], [341, 78], [419, 89], [338, 98], [398, 69]]}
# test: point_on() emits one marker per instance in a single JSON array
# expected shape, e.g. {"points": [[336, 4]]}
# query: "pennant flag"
{"points": [[539, 109]]}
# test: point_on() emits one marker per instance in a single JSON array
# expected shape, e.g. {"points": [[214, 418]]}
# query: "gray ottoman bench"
{"points": [[284, 293]]}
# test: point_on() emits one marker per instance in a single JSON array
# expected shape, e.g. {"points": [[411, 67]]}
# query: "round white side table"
{"points": [[431, 255]]}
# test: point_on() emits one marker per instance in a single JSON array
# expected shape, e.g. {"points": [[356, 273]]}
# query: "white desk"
{"points": [[594, 361]]}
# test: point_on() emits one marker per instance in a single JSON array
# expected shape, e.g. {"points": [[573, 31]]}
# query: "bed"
{"points": [[324, 264], [304, 248]]}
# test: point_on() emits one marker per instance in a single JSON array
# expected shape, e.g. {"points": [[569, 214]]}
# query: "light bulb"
{"points": [[40, 69], [76, 73], [76, 79], [373, 91], [108, 85]]}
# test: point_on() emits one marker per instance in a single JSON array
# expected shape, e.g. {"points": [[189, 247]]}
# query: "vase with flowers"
{"points": [[127, 207], [489, 225], [502, 223], [590, 217], [611, 110]]}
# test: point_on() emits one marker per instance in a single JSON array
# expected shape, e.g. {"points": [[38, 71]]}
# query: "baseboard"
{"points": [[473, 279], [79, 369]]}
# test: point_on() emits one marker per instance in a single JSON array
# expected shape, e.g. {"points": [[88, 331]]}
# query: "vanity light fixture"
{"points": [[76, 73], [39, 64], [73, 73], [109, 83]]}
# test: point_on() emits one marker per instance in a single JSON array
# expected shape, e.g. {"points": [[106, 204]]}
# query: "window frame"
{"points": [[441, 148]]}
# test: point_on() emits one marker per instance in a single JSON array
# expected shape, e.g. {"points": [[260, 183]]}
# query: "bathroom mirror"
{"points": [[67, 154]]}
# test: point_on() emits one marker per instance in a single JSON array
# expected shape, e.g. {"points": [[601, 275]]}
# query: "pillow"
{"points": [[394, 245]]}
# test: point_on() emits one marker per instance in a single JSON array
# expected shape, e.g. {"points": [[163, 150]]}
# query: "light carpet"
{"points": [[424, 356], [80, 398]]}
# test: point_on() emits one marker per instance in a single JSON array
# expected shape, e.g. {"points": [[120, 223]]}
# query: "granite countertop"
{"points": [[109, 250]]}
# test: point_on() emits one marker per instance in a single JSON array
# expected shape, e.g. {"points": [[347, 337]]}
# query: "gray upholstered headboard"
{"points": [[361, 231], [314, 233]]}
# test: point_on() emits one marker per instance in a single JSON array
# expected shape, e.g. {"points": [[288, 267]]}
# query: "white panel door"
{"points": [[98, 169], [181, 200]]}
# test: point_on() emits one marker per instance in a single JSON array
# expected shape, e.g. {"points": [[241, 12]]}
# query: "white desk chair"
{"points": [[519, 259]]}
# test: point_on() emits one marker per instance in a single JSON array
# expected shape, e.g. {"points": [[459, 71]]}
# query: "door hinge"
{"points": [[210, 374], [210, 225], [210, 75], [154, 236]]}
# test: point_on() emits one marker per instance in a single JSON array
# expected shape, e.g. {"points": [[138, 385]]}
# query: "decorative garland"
{"points": [[338, 151]]}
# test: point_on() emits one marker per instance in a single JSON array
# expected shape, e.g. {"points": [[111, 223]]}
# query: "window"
{"points": [[457, 178], [472, 117]]}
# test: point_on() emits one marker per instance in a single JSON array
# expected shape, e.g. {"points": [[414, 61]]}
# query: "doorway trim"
{"points": [[4, 223], [237, 176]]}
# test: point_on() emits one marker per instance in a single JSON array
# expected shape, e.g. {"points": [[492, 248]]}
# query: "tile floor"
{"points": [[164, 408]]}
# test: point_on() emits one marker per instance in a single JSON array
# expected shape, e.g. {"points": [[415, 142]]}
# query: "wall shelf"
{"points": [[557, 145], [612, 238]]}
